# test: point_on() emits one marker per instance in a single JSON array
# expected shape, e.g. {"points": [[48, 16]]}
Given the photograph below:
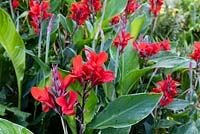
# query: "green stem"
{"points": [[154, 73], [19, 96], [17, 22], [117, 61], [63, 125], [40, 41], [99, 27], [154, 25], [11, 9], [48, 38], [116, 71]]}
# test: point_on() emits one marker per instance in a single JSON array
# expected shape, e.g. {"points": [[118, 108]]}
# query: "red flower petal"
{"points": [[38, 94], [72, 99], [102, 57]]}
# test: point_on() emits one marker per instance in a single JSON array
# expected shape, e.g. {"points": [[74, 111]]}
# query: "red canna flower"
{"points": [[155, 6], [132, 5], [145, 49], [95, 5], [38, 13], [92, 70], [15, 4], [57, 93], [122, 40], [115, 20], [196, 54], [43, 96], [168, 88], [67, 102], [80, 12], [165, 45]]}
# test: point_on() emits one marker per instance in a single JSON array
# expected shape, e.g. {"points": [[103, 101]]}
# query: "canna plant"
{"points": [[101, 67]]}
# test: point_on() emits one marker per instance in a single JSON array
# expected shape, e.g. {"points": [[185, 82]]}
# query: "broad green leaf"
{"points": [[167, 123], [130, 79], [128, 60], [72, 123], [148, 21], [90, 107], [126, 111], [171, 60], [79, 35], [188, 128], [19, 116], [114, 7], [55, 5], [66, 23], [7, 127], [178, 104], [136, 25], [125, 130], [10, 39]]}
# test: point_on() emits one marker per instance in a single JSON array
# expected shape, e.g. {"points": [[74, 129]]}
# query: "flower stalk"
{"points": [[63, 125], [49, 28], [11, 9], [40, 41]]}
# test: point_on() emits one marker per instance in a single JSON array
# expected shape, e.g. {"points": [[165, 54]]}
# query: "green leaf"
{"points": [[171, 60], [72, 123], [178, 104], [44, 66], [130, 79], [114, 7], [55, 25], [70, 1], [55, 5], [128, 61], [188, 128], [7, 127], [167, 123], [125, 130], [90, 107], [66, 23], [136, 25], [2, 110], [126, 111], [10, 39]]}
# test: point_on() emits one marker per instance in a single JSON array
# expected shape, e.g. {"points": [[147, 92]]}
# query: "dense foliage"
{"points": [[99, 66]]}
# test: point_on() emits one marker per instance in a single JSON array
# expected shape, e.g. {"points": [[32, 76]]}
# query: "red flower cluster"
{"points": [[15, 4], [168, 88], [81, 10], [196, 54], [148, 49], [122, 40], [38, 13], [155, 6], [165, 45], [57, 94], [92, 71], [115, 20], [132, 5], [93, 4]]}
